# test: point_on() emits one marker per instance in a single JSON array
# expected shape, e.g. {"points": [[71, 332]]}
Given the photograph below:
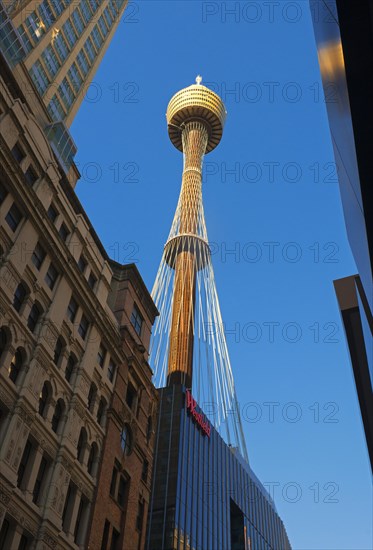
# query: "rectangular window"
{"points": [[13, 217], [121, 498], [101, 355], [86, 12], [75, 78], [67, 509], [113, 483], [39, 77], [23, 464], [25, 38], [111, 371], [51, 276], [63, 232], [57, 6], [131, 396], [39, 480], [38, 256], [82, 263], [89, 50], [115, 540], [35, 26], [33, 317], [93, 5], [5, 529], [114, 9], [97, 38], [52, 213], [136, 319], [78, 524], [55, 109], [145, 470], [66, 93], [108, 17], [31, 176], [83, 326], [50, 61], [3, 193], [61, 47], [82, 63], [24, 543], [77, 21], [140, 515], [102, 26], [92, 280], [72, 309], [19, 297], [18, 153], [46, 14], [69, 33], [105, 535]]}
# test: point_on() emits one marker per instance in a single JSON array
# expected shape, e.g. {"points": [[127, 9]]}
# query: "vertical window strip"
{"points": [[39, 77], [96, 37], [55, 109], [103, 27], [66, 93], [89, 50], [25, 38], [57, 6], [77, 21], [113, 9], [69, 33], [46, 14], [35, 26], [51, 61], [108, 17], [85, 10], [75, 78], [82, 63], [61, 47]]}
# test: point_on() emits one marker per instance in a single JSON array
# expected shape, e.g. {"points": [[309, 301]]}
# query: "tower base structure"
{"points": [[205, 495]]}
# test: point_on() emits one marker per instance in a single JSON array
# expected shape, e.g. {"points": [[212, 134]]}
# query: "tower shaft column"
{"points": [[180, 358]]}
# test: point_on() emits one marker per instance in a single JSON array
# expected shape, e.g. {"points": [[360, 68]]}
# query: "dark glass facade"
{"points": [[205, 496], [344, 37]]}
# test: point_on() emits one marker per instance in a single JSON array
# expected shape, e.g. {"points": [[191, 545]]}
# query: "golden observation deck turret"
{"points": [[195, 118], [188, 342]]}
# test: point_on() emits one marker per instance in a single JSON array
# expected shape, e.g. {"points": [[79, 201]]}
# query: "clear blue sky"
{"points": [[284, 192]]}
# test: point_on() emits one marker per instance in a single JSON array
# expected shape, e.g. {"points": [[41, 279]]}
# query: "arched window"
{"points": [[71, 363], [44, 398], [101, 411], [82, 442], [58, 349], [126, 439], [92, 397], [34, 317], [16, 365], [57, 416], [19, 296], [92, 459]]}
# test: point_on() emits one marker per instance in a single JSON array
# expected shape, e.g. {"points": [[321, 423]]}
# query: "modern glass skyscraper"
{"points": [[339, 27], [61, 44]]}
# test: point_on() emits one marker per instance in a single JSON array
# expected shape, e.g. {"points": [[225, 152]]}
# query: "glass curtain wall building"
{"points": [[61, 44], [205, 495]]}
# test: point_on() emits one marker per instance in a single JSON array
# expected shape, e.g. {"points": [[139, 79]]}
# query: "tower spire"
{"points": [[189, 346]]}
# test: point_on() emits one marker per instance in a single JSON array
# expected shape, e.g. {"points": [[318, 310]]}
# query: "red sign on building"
{"points": [[199, 418]]}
